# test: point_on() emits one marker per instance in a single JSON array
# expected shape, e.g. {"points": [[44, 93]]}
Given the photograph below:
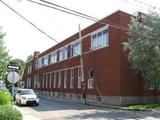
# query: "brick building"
{"points": [[108, 77]]}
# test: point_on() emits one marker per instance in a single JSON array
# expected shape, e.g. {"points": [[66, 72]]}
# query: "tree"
{"points": [[4, 57], [30, 57], [20, 63], [143, 47]]}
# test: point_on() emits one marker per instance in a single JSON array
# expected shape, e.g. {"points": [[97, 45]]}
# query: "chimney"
{"points": [[36, 53]]}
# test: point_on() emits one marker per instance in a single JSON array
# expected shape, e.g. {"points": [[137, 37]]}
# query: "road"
{"points": [[58, 110]]}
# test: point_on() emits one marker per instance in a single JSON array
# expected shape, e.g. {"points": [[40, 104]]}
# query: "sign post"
{"points": [[13, 77]]}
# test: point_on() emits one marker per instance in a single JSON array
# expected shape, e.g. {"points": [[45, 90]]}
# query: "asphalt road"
{"points": [[58, 110]]}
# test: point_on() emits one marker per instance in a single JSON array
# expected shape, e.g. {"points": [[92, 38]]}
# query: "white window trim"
{"points": [[69, 44], [54, 53], [79, 78], [54, 86], [66, 51], [59, 79], [96, 32], [50, 80], [90, 83], [43, 81], [71, 52], [65, 79], [71, 78]]}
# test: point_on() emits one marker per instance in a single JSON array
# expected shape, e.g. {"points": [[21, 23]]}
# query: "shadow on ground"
{"points": [[85, 112]]}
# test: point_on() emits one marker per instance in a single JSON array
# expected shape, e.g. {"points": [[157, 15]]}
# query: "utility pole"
{"points": [[82, 68]]}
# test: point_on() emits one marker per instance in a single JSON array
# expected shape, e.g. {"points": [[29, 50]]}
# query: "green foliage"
{"points": [[20, 63], [144, 106], [143, 47], [30, 57], [4, 57], [5, 97], [8, 113]]}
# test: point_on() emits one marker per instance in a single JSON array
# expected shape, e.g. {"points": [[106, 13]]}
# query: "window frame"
{"points": [[97, 42]]}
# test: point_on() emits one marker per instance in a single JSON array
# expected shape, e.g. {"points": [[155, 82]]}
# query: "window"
{"points": [[59, 80], [53, 58], [54, 80], [46, 79], [79, 77], [65, 79], [71, 78], [99, 39], [29, 69], [35, 82], [39, 63], [50, 80], [43, 81], [91, 78], [76, 49], [38, 82], [45, 61], [63, 54], [90, 83], [36, 64], [28, 82]]}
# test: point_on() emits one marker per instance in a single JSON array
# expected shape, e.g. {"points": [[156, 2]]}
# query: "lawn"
{"points": [[145, 106]]}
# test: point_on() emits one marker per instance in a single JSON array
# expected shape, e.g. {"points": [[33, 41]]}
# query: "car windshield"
{"points": [[27, 92]]}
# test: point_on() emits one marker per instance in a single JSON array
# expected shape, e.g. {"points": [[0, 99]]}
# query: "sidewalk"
{"points": [[26, 115]]}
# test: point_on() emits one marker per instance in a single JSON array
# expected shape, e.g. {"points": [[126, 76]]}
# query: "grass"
{"points": [[145, 106]]}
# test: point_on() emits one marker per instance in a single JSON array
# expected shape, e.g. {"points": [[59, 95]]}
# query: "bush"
{"points": [[5, 97], [8, 113]]}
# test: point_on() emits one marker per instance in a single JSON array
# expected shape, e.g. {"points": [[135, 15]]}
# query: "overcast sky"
{"points": [[22, 39]]}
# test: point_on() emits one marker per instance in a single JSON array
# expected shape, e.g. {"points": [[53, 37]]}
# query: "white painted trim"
{"points": [[61, 69], [78, 40], [95, 33]]}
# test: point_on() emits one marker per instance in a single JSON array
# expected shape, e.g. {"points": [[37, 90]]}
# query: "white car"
{"points": [[26, 97]]}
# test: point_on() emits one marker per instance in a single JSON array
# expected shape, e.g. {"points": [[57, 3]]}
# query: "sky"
{"points": [[22, 39]]}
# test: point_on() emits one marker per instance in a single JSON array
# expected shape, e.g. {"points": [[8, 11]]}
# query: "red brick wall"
{"points": [[112, 73], [131, 83]]}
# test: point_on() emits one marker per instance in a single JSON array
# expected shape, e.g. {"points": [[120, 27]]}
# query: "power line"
{"points": [[80, 13], [146, 4], [40, 30], [73, 12], [142, 3], [133, 3]]}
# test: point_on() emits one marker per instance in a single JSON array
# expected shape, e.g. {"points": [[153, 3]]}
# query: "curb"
{"points": [[26, 115]]}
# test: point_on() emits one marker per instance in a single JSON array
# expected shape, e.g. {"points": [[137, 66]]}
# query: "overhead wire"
{"points": [[146, 4], [82, 15], [40, 30], [141, 4]]}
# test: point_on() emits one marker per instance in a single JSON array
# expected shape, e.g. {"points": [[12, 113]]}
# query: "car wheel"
{"points": [[20, 104], [16, 102], [37, 104]]}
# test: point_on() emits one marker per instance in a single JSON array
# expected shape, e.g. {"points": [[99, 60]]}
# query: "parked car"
{"points": [[15, 89], [26, 97]]}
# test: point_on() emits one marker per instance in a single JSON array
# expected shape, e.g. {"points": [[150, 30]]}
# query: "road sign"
{"points": [[13, 77], [16, 67]]}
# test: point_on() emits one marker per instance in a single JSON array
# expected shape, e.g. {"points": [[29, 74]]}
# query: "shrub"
{"points": [[8, 113], [5, 97]]}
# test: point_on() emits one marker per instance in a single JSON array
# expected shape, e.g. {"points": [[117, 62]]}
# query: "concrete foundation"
{"points": [[104, 100]]}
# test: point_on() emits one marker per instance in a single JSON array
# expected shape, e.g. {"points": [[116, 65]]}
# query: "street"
{"points": [[58, 110]]}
